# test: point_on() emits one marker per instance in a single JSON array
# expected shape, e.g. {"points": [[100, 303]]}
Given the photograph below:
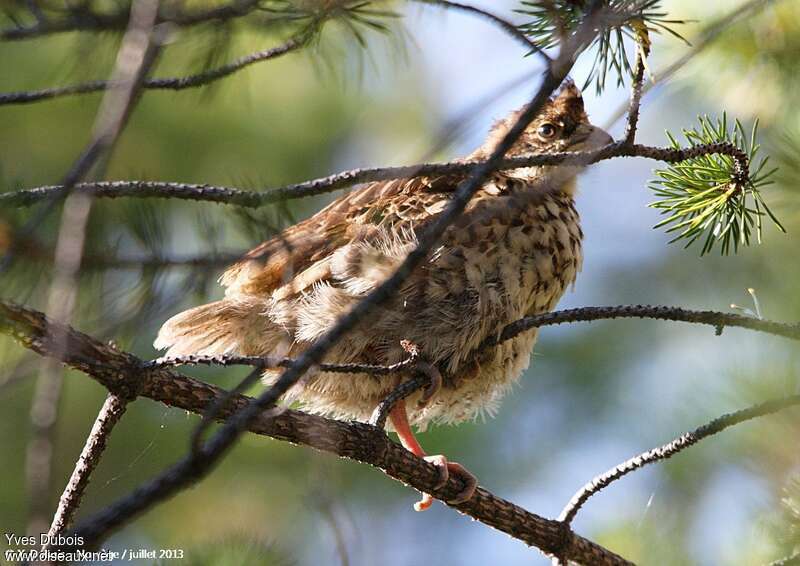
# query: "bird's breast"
{"points": [[506, 259]]}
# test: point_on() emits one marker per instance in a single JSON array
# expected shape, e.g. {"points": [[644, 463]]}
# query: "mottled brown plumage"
{"points": [[513, 253]]}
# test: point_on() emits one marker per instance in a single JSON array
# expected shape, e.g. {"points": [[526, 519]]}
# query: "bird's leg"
{"points": [[399, 419]]}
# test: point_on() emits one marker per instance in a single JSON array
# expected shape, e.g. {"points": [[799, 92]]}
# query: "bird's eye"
{"points": [[546, 131]]}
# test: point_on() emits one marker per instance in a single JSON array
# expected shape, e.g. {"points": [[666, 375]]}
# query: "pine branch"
{"points": [[553, 20], [698, 201], [708, 195], [711, 199], [322, 185], [135, 58], [122, 374]]}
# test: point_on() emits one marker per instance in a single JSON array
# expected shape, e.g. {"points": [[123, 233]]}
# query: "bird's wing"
{"points": [[302, 255]]}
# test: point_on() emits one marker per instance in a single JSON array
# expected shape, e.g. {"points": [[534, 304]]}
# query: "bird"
{"points": [[513, 252]]}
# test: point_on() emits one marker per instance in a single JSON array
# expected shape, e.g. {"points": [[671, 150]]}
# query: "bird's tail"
{"points": [[218, 328]]}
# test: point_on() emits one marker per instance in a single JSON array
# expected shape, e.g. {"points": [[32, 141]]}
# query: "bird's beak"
{"points": [[589, 137]]}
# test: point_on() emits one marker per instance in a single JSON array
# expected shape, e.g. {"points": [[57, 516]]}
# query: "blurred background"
{"points": [[595, 394]]}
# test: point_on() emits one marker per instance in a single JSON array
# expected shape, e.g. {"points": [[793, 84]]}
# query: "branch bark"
{"points": [[718, 320], [122, 374], [322, 185], [110, 413]]}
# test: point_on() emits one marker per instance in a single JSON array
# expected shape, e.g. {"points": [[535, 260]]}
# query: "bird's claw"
{"points": [[435, 376], [445, 469], [428, 369]]}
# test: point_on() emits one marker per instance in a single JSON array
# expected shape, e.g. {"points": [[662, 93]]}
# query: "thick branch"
{"points": [[254, 199], [121, 373]]}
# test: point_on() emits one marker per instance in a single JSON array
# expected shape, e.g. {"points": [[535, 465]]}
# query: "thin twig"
{"points": [[267, 362], [719, 320], [503, 24], [110, 413], [636, 99], [671, 448], [381, 412], [211, 259], [36, 251], [324, 504], [255, 199], [164, 83], [705, 38], [791, 560], [121, 372]]}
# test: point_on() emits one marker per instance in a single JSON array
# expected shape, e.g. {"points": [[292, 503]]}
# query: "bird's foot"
{"points": [[445, 469]]}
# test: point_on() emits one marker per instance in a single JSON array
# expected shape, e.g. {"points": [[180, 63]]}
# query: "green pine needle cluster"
{"points": [[553, 20], [702, 200]]}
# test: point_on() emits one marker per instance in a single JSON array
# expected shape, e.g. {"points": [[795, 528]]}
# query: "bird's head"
{"points": [[562, 125]]}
